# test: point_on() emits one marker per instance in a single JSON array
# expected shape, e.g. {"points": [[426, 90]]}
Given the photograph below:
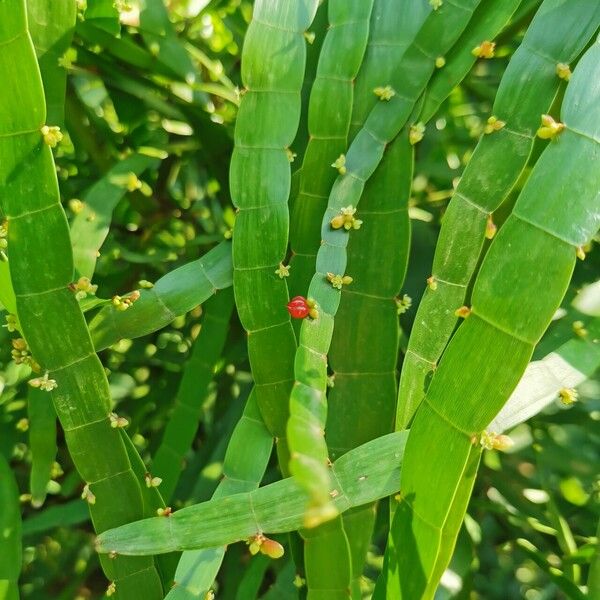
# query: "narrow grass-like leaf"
{"points": [[361, 476], [104, 15], [90, 225], [530, 263], [51, 25], [41, 266], [308, 402], [42, 443], [160, 37], [243, 469], [558, 33], [184, 420], [174, 294], [10, 540]]}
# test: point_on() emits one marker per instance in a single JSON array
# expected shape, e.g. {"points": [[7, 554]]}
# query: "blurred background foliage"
{"points": [[531, 506]]}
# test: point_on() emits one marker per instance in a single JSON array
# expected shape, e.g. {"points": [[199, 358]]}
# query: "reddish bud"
{"points": [[298, 307]]}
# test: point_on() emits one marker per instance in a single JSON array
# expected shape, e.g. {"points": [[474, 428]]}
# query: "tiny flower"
{"points": [[568, 396], [112, 554], [549, 128], [440, 62], [385, 93], [563, 71], [299, 582], [337, 281], [291, 156], [432, 283], [310, 36], [210, 595], [88, 495], [43, 383], [340, 164], [283, 271], [484, 50], [331, 381], [580, 253], [11, 323], [68, 58], [76, 206], [152, 481], [167, 511], [463, 312], [579, 329], [493, 441], [403, 304], [145, 284], [123, 303], [435, 4], [346, 219], [117, 422], [493, 124], [22, 424], [83, 288], [52, 135], [416, 133], [111, 590], [490, 228], [4, 235]]}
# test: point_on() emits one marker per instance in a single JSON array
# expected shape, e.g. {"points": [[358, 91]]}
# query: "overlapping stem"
{"points": [[273, 62], [183, 421], [521, 283], [41, 267], [558, 34], [308, 404], [488, 21], [326, 552], [329, 114]]}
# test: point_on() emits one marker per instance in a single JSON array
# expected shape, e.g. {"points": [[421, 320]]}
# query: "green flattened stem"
{"points": [[10, 540], [273, 62], [41, 268], [308, 402], [557, 34], [184, 420], [91, 222], [42, 443], [329, 113], [521, 283], [51, 25], [176, 293], [361, 476], [245, 463], [364, 348]]}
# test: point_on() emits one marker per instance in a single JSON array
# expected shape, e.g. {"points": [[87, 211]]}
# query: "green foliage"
{"points": [[220, 157]]}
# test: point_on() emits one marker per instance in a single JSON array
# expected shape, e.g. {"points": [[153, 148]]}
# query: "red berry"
{"points": [[298, 307]]}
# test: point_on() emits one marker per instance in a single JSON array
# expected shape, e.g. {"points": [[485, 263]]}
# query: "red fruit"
{"points": [[298, 307]]}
